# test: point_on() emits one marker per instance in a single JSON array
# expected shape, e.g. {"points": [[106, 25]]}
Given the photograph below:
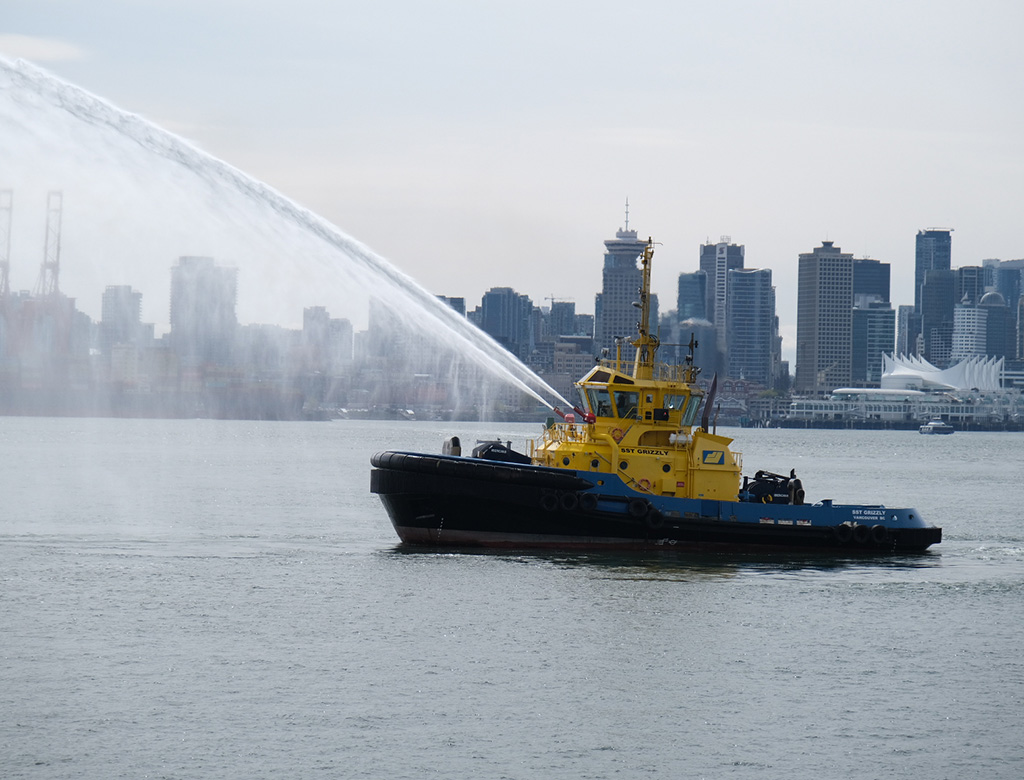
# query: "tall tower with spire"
{"points": [[620, 284]]}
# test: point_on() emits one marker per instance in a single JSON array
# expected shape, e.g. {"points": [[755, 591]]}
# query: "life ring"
{"points": [[843, 532], [638, 508], [569, 502], [549, 502], [588, 502], [645, 484], [879, 534], [861, 533]]}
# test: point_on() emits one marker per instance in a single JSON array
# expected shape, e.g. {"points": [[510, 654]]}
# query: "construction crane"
{"points": [[6, 198], [49, 275]]}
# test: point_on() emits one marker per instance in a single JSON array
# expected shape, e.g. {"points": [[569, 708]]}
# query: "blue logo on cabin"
{"points": [[714, 457]]}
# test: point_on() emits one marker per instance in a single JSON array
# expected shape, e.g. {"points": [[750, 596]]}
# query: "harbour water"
{"points": [[220, 599]]}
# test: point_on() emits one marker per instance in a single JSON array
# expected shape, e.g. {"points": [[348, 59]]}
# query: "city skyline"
{"points": [[625, 237], [519, 141]]}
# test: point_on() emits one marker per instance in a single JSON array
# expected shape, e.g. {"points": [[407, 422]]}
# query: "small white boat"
{"points": [[937, 426]]}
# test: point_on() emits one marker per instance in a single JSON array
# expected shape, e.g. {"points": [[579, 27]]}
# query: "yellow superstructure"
{"points": [[639, 425]]}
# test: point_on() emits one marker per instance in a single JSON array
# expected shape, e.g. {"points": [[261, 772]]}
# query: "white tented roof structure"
{"points": [[912, 372]]}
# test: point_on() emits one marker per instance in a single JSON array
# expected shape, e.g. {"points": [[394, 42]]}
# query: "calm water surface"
{"points": [[184, 599]]}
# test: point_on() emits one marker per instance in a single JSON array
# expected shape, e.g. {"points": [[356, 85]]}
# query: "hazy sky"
{"points": [[480, 144]]}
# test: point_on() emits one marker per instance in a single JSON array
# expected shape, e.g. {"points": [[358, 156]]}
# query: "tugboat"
{"points": [[627, 469]]}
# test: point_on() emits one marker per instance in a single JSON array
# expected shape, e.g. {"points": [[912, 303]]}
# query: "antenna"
{"points": [[49, 274], [627, 212], [6, 198]]}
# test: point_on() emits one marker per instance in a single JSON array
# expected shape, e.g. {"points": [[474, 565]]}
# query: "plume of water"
{"points": [[154, 195]]}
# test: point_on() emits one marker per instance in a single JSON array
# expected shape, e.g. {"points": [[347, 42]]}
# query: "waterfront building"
{"points": [[908, 408], [824, 320]]}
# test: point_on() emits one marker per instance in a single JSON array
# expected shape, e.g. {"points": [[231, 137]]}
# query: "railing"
{"points": [[662, 372]]}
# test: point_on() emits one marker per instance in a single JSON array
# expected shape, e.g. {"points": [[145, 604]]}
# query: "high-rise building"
{"points": [[620, 285], [751, 324], [716, 260], [1020, 328], [507, 317], [907, 325], [328, 340], [824, 337], [874, 331], [120, 317], [970, 284], [691, 300], [870, 281], [1007, 279], [873, 321], [562, 319], [933, 251], [459, 304], [938, 297], [970, 326], [1000, 327], [203, 320]]}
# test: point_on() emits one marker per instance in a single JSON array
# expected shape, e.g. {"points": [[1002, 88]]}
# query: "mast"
{"points": [[645, 343]]}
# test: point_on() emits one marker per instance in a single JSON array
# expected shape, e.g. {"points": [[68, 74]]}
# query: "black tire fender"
{"points": [[655, 520], [638, 508]]}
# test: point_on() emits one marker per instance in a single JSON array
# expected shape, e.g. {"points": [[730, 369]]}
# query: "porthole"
{"points": [[565, 461], [666, 468], [594, 463], [623, 465]]}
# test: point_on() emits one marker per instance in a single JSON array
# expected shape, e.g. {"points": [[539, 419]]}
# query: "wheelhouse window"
{"points": [[691, 410], [600, 401], [673, 401], [626, 403]]}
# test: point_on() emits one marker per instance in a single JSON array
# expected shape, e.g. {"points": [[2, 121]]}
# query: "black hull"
{"points": [[461, 502]]}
